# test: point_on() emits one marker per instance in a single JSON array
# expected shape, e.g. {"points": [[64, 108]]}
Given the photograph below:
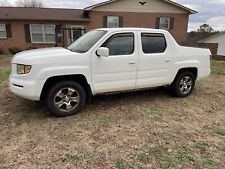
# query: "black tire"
{"points": [[177, 87], [57, 95]]}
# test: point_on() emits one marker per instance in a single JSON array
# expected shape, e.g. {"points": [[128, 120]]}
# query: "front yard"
{"points": [[4, 67], [147, 129]]}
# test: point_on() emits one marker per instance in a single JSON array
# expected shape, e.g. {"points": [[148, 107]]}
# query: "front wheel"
{"points": [[183, 84], [66, 99]]}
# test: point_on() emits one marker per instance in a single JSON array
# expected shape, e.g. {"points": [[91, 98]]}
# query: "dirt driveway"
{"points": [[147, 129]]}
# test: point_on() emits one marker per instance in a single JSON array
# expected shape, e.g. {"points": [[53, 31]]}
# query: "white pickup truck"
{"points": [[106, 61]]}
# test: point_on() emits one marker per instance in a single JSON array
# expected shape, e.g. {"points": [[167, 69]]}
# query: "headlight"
{"points": [[23, 69]]}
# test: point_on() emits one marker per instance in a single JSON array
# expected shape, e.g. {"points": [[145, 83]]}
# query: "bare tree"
{"points": [[205, 28], [30, 3], [4, 3]]}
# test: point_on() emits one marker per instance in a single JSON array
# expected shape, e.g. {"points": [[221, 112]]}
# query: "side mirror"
{"points": [[103, 52]]}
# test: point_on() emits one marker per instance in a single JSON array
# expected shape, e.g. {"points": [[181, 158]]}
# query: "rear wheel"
{"points": [[183, 84], [66, 99]]}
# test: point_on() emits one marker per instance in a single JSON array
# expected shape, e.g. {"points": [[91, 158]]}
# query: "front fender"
{"points": [[47, 73], [50, 72]]}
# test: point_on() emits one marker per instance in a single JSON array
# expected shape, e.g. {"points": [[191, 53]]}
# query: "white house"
{"points": [[216, 43]]}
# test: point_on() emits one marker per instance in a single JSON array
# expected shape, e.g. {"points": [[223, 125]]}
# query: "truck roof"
{"points": [[133, 29]]}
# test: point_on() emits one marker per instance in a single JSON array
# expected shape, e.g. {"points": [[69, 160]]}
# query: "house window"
{"points": [[164, 23], [42, 33], [112, 22], [3, 31]]}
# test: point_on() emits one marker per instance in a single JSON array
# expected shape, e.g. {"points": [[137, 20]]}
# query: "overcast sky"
{"points": [[209, 11]]}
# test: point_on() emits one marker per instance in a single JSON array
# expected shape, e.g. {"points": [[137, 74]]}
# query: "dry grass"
{"points": [[218, 67], [4, 67], [140, 130]]}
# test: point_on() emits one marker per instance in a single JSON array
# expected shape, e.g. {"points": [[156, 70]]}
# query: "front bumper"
{"points": [[30, 90]]}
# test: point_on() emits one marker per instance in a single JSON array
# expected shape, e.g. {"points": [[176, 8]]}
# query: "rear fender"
{"points": [[182, 65]]}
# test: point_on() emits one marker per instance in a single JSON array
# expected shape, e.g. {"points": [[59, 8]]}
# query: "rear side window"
{"points": [[120, 44], [153, 43]]}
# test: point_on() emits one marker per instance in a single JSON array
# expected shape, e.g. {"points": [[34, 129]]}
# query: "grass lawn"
{"points": [[218, 67], [138, 130], [4, 67]]}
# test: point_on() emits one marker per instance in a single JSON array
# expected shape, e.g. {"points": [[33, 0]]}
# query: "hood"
{"points": [[40, 54]]}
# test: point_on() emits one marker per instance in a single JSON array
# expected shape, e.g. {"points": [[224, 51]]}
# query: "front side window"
{"points": [[3, 31], [112, 22], [42, 33], [120, 44], [164, 23], [153, 43]]}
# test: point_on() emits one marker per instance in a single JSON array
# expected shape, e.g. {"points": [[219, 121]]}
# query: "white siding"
{"points": [[154, 6], [221, 49]]}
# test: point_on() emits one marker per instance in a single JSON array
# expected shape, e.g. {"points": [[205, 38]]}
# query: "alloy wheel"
{"points": [[67, 99]]}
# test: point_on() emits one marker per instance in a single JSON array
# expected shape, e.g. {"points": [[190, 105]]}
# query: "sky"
{"points": [[211, 12]]}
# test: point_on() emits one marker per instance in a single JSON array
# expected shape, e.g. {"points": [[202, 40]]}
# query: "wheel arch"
{"points": [[193, 70], [79, 78]]}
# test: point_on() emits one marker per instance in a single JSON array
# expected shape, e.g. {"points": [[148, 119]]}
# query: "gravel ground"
{"points": [[146, 129]]}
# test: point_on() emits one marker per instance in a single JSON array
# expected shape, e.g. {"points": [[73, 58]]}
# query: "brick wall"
{"points": [[213, 48], [146, 20], [130, 19], [18, 34]]}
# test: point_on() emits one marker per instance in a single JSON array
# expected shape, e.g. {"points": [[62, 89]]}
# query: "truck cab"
{"points": [[107, 61]]}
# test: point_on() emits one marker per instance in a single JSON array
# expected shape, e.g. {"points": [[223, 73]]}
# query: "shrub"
{"points": [[30, 48], [14, 50], [1, 51]]}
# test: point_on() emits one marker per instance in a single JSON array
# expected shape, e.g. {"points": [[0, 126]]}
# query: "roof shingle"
{"points": [[54, 14]]}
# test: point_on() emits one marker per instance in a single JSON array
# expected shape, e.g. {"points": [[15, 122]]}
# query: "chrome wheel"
{"points": [[67, 99], [186, 85]]}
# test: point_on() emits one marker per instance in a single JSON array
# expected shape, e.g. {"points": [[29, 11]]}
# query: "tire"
{"points": [[183, 84], [66, 98]]}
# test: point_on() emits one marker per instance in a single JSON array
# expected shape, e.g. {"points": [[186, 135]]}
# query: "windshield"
{"points": [[84, 43]]}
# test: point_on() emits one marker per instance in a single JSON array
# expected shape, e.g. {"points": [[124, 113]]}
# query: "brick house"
{"points": [[26, 28], [216, 44]]}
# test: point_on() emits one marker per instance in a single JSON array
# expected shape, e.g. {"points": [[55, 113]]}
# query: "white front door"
{"points": [[155, 60], [118, 71]]}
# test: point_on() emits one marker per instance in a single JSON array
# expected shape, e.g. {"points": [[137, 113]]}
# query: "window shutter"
{"points": [[157, 22], [171, 23], [120, 21], [27, 33], [105, 21], [58, 33], [8, 30]]}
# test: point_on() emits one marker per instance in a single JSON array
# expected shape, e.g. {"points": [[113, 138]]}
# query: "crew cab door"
{"points": [[155, 60], [118, 71]]}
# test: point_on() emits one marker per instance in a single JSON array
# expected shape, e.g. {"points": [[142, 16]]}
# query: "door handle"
{"points": [[168, 60], [131, 63]]}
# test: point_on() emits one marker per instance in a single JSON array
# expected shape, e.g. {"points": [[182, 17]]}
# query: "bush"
{"points": [[30, 48], [1, 51], [14, 50]]}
